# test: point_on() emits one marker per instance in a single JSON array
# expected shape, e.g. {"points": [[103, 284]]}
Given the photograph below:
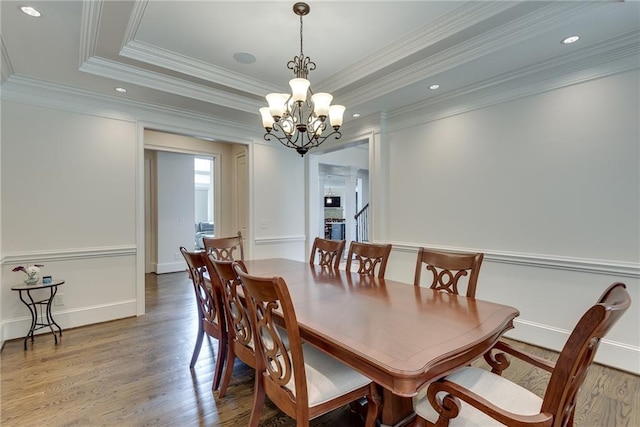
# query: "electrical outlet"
{"points": [[264, 224], [58, 300], [176, 256]]}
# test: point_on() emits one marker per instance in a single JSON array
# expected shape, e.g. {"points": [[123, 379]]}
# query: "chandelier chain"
{"points": [[301, 54]]}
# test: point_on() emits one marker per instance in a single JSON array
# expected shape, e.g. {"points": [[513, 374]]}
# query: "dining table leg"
{"points": [[397, 411]]}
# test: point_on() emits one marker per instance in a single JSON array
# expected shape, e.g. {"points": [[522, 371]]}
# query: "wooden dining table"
{"points": [[401, 336]]}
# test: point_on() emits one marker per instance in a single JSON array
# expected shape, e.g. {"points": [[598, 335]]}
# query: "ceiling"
{"points": [[375, 57]]}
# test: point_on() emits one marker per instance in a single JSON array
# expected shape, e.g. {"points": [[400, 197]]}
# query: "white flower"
{"points": [[32, 270]]}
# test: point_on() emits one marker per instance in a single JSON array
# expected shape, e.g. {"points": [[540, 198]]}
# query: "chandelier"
{"points": [[299, 120]]}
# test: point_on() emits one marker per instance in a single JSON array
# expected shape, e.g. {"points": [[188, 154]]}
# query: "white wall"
{"points": [[547, 186], [72, 199], [1, 253], [549, 193], [279, 215], [68, 202]]}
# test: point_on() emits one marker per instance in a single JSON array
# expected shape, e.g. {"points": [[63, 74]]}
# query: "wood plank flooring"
{"points": [[135, 372]]}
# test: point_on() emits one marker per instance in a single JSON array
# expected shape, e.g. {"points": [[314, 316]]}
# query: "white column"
{"points": [[350, 181]]}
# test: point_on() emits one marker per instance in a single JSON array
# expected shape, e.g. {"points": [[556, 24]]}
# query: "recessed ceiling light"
{"points": [[244, 57], [571, 39], [434, 87], [121, 90], [356, 115], [31, 11]]}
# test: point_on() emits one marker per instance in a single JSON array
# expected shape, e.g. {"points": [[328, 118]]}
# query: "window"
{"points": [[203, 184]]}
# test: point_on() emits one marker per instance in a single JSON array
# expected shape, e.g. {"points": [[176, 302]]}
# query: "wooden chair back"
{"points": [[284, 375], [369, 257], [329, 252], [210, 310], [558, 405], [578, 353], [225, 248], [237, 317], [447, 268], [266, 296]]}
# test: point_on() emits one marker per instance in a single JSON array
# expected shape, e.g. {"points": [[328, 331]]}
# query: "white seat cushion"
{"points": [[327, 377], [496, 389]]}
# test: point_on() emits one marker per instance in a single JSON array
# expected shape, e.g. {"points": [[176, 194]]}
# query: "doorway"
{"points": [[190, 197], [343, 178]]}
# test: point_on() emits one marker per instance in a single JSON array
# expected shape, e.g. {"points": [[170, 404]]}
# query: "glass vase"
{"points": [[31, 279]]}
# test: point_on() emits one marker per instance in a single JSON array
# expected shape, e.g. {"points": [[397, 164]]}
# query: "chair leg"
{"points": [[228, 371], [258, 400], [373, 406], [196, 350], [222, 350]]}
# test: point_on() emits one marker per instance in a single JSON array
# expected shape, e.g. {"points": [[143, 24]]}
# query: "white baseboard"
{"points": [[610, 353], [170, 267], [18, 327]]}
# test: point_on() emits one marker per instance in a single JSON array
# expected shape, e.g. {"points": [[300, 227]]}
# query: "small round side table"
{"points": [[39, 318]]}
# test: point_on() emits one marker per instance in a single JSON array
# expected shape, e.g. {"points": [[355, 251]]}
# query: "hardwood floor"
{"points": [[135, 372]]}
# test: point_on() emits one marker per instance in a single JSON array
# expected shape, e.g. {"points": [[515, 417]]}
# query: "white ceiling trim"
{"points": [[611, 57], [133, 75], [46, 94], [6, 70], [89, 27], [518, 30], [154, 55], [464, 16], [603, 54], [91, 16], [137, 13], [147, 53], [42, 93]]}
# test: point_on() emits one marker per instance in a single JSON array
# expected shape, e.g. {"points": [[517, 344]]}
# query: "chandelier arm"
{"points": [[284, 140], [320, 139]]}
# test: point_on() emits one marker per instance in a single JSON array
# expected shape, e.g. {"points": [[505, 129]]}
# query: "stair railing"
{"points": [[362, 224]]}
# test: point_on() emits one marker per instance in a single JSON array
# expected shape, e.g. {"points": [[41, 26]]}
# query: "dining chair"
{"points": [[303, 382], [369, 256], [211, 319], [240, 334], [447, 268], [225, 248], [475, 396], [329, 252]]}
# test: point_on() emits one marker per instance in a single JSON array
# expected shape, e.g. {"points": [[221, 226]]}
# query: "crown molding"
{"points": [[6, 69], [133, 75], [139, 7], [512, 33], [364, 125], [462, 17], [46, 94], [607, 58], [89, 27], [153, 55]]}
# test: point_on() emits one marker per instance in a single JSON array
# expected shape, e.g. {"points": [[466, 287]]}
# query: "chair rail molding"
{"points": [[70, 254], [595, 266], [280, 240]]}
